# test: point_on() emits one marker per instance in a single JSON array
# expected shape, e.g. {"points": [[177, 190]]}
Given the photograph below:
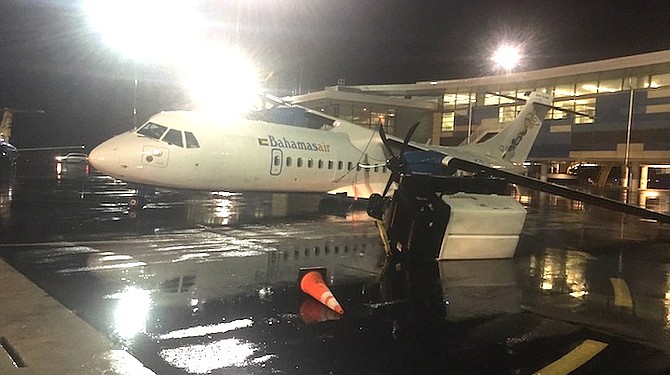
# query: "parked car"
{"points": [[73, 157]]}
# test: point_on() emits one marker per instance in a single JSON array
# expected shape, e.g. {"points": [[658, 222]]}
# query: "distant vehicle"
{"points": [[73, 157], [8, 152]]}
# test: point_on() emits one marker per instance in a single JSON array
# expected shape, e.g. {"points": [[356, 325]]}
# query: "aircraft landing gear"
{"points": [[135, 202], [141, 197], [376, 206]]}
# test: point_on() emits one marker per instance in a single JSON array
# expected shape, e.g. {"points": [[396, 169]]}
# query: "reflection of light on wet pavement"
{"points": [[114, 266], [203, 358], [208, 329], [223, 210], [122, 363], [562, 271], [132, 309]]}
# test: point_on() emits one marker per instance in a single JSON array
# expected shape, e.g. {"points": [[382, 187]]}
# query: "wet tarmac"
{"points": [[204, 283]]}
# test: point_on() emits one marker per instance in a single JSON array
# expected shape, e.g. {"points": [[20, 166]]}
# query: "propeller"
{"points": [[396, 164]]}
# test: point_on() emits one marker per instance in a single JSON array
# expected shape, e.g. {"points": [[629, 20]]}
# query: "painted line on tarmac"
{"points": [[575, 359], [622, 296]]}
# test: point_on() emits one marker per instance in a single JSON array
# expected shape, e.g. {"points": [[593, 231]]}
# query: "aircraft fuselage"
{"points": [[237, 155]]}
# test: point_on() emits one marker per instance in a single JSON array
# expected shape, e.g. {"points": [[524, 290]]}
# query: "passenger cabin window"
{"points": [[173, 137], [152, 130], [191, 141]]}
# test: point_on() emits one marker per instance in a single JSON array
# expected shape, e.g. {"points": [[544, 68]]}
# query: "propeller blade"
{"points": [[382, 134], [395, 163], [388, 184], [405, 142], [408, 136]]}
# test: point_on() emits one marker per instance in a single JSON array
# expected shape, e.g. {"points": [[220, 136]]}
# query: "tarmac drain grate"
{"points": [[11, 352]]}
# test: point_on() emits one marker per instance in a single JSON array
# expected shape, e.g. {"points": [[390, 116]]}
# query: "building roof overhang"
{"points": [[633, 66]]}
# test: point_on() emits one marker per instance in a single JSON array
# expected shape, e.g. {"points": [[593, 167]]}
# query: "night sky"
{"points": [[52, 59]]}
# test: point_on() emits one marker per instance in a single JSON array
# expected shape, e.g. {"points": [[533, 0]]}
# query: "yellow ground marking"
{"points": [[573, 360], [621, 293]]}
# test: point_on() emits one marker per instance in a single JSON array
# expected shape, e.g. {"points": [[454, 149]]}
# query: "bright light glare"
{"points": [[132, 309], [221, 78], [172, 32], [507, 57], [146, 30]]}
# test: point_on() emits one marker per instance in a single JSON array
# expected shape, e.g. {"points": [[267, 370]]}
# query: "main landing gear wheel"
{"points": [[376, 205]]}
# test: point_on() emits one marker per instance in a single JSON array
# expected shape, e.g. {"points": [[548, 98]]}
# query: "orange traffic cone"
{"points": [[311, 311], [312, 284]]}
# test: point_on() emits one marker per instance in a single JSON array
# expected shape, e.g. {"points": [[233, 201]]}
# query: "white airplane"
{"points": [[288, 148], [9, 152], [282, 148]]}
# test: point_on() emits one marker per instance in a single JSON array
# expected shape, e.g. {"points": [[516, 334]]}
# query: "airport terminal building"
{"points": [[614, 114]]}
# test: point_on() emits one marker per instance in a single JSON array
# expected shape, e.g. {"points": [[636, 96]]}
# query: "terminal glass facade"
{"points": [[366, 115], [575, 102]]}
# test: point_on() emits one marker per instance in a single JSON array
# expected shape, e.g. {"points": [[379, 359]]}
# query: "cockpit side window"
{"points": [[173, 137], [152, 130], [191, 141]]}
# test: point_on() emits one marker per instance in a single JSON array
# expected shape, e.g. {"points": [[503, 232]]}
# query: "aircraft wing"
{"points": [[533, 183], [501, 157]]}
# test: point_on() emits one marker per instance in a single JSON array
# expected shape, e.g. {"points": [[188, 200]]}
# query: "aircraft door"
{"points": [[276, 162]]}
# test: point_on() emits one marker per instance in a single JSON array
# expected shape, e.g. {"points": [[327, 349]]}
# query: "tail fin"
{"points": [[6, 124], [514, 142]]}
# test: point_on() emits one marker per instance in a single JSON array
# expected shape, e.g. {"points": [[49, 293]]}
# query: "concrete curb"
{"points": [[46, 338]]}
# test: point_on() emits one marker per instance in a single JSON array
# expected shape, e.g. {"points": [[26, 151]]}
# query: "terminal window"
{"points": [[660, 80], [448, 122]]}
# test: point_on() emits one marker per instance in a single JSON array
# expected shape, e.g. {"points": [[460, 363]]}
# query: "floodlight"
{"points": [[507, 57], [220, 77], [153, 30]]}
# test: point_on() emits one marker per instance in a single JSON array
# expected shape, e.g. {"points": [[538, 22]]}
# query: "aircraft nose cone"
{"points": [[103, 158]]}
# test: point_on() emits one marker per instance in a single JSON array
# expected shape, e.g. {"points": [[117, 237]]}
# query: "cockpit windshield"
{"points": [[152, 130], [170, 136]]}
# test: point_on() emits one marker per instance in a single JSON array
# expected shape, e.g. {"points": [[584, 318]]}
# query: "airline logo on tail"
{"points": [[530, 122]]}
